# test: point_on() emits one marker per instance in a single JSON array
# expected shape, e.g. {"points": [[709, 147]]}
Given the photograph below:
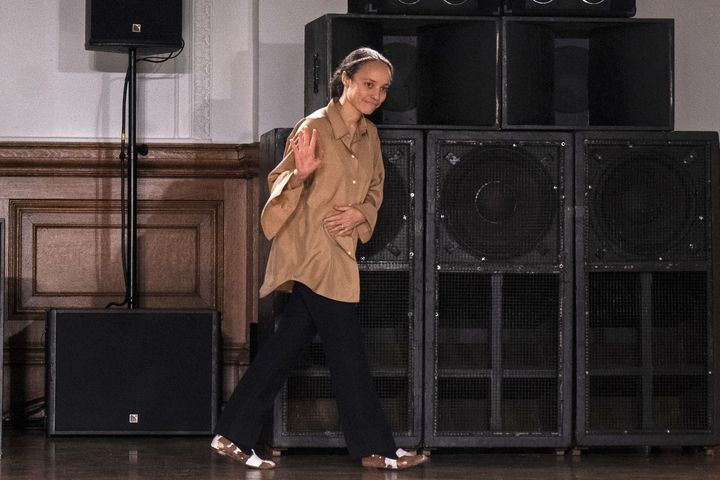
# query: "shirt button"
{"points": [[350, 253], [352, 156], [354, 182]]}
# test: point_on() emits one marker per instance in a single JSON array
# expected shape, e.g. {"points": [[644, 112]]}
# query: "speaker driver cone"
{"points": [[644, 203], [390, 216], [498, 202]]}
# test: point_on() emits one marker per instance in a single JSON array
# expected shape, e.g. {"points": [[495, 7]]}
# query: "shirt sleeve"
{"points": [[283, 199], [370, 206]]}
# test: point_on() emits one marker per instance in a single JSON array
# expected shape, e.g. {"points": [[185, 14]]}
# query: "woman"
{"points": [[324, 196]]}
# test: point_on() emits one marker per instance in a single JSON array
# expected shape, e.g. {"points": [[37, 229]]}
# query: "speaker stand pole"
{"points": [[131, 259]]}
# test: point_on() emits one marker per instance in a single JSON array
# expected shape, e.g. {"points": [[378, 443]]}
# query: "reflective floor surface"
{"points": [[31, 455]]}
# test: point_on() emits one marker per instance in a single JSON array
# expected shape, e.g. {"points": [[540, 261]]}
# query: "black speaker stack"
{"points": [[542, 271], [133, 371]]}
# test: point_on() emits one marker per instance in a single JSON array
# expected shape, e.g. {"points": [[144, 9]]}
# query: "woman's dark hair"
{"points": [[351, 64]]}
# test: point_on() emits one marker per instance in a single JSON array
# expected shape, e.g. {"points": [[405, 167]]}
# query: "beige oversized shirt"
{"points": [[351, 172]]}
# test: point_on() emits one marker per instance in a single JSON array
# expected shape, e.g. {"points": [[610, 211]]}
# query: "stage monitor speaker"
{"points": [[498, 289], [426, 7], [305, 413], [152, 372], [426, 52], [150, 26], [580, 73], [573, 8], [647, 341]]}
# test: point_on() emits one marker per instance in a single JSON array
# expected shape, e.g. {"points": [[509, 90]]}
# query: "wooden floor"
{"points": [[33, 456]]}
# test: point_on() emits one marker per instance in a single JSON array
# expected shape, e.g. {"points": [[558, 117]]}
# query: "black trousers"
{"points": [[364, 425]]}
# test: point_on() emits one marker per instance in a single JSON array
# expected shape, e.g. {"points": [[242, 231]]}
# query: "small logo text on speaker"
{"points": [[137, 27], [134, 418]]}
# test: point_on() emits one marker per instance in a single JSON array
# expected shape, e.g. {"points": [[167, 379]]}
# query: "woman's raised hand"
{"points": [[304, 147]]}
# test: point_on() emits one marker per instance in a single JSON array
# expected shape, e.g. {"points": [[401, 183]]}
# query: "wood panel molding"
{"points": [[167, 160], [67, 254]]}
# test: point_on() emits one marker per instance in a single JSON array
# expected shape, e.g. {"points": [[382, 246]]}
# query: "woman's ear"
{"points": [[345, 79]]}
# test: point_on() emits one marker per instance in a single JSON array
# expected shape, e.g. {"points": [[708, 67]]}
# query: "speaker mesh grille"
{"points": [[647, 351], [647, 202], [680, 320], [383, 313], [392, 239], [497, 202], [464, 321], [309, 406], [614, 404], [530, 405], [614, 329], [462, 405], [497, 340], [530, 325]]}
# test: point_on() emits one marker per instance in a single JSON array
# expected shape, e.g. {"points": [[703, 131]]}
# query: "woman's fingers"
{"points": [[304, 146]]}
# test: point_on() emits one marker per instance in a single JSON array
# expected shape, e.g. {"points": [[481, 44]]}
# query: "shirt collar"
{"points": [[338, 125]]}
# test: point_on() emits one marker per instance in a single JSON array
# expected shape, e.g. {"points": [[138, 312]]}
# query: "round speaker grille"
{"points": [[644, 203], [498, 202], [390, 216]]}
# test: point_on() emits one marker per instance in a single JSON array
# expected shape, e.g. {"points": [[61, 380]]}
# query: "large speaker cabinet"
{"points": [[499, 282], [576, 73], [133, 372], [446, 68], [305, 414], [647, 342]]}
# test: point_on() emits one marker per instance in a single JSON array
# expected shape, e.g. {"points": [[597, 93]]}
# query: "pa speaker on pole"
{"points": [[152, 26]]}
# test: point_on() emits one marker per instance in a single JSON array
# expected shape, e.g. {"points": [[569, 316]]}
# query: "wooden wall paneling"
{"points": [[197, 228]]}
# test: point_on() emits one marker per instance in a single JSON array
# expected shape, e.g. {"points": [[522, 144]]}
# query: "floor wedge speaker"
{"points": [[132, 371], [152, 26]]}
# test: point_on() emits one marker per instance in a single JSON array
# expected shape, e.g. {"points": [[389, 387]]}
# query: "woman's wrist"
{"points": [[295, 179]]}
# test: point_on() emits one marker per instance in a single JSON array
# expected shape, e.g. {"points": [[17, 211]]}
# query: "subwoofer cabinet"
{"points": [[446, 68], [498, 289], [133, 372], [647, 330], [305, 413]]}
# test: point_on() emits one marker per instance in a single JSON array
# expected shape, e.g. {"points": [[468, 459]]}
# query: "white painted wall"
{"points": [[241, 73], [697, 59], [282, 57]]}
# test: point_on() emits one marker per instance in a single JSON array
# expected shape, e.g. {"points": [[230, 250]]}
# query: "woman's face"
{"points": [[367, 89]]}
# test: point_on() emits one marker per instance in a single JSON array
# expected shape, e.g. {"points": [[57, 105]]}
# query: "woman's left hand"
{"points": [[343, 221]]}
